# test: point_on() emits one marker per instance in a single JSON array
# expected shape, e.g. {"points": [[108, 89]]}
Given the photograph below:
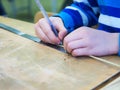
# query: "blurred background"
{"points": [[26, 9]]}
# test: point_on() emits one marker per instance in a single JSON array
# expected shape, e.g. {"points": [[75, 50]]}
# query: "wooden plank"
{"points": [[33, 66], [26, 65], [115, 85], [18, 24]]}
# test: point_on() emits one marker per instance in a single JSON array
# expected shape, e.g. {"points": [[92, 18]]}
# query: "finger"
{"points": [[80, 52], [76, 34], [62, 34], [75, 44], [73, 36], [71, 39], [79, 33], [58, 24], [41, 35], [62, 31], [48, 32]]}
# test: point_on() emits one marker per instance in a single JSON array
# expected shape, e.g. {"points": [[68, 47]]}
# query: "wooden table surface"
{"points": [[27, 65], [114, 85]]}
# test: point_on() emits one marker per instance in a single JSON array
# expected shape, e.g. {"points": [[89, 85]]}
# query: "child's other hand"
{"points": [[44, 32], [86, 41]]}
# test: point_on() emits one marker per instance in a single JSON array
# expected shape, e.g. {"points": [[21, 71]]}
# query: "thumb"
{"points": [[62, 34], [61, 29], [57, 22]]}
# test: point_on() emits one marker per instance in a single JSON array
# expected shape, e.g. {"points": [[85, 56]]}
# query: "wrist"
{"points": [[67, 20], [114, 43]]}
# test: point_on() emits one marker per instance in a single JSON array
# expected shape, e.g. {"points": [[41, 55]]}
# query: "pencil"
{"points": [[46, 17]]}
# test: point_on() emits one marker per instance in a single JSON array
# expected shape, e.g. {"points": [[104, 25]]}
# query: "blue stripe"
{"points": [[111, 11], [76, 17], [108, 28], [93, 20], [112, 3], [67, 20]]}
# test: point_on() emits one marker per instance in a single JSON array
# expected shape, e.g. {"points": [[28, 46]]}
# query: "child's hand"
{"points": [[87, 41], [44, 32]]}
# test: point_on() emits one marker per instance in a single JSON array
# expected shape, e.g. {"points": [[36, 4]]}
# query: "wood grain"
{"points": [[115, 85], [26, 65]]}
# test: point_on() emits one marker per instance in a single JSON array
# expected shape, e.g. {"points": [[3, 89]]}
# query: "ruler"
{"points": [[57, 47], [30, 37]]}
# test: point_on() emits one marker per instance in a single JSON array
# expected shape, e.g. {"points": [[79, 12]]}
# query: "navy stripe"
{"points": [[112, 3], [92, 19], [108, 28], [93, 3], [82, 5], [76, 17], [111, 11]]}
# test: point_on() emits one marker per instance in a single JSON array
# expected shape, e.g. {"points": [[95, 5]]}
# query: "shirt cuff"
{"points": [[67, 20]]}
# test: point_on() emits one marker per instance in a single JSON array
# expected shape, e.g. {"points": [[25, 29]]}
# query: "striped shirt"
{"points": [[105, 13]]}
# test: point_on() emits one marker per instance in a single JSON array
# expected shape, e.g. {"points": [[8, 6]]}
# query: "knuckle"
{"points": [[74, 53], [52, 19], [84, 27], [42, 38], [47, 32], [85, 33]]}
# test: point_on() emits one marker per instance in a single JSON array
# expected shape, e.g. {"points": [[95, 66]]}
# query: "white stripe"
{"points": [[85, 1], [84, 17], [110, 21]]}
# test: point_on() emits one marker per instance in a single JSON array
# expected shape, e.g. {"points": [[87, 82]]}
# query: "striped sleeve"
{"points": [[109, 19], [80, 13]]}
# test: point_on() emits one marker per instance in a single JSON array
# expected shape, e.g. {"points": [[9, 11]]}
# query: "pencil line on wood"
{"points": [[105, 61]]}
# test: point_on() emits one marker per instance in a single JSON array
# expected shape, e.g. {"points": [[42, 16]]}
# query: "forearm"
{"points": [[79, 14]]}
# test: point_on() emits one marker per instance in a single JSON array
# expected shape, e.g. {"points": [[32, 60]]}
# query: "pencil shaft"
{"points": [[46, 17]]}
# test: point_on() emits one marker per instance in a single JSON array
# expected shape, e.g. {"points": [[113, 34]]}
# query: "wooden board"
{"points": [[115, 85], [26, 65], [20, 25]]}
